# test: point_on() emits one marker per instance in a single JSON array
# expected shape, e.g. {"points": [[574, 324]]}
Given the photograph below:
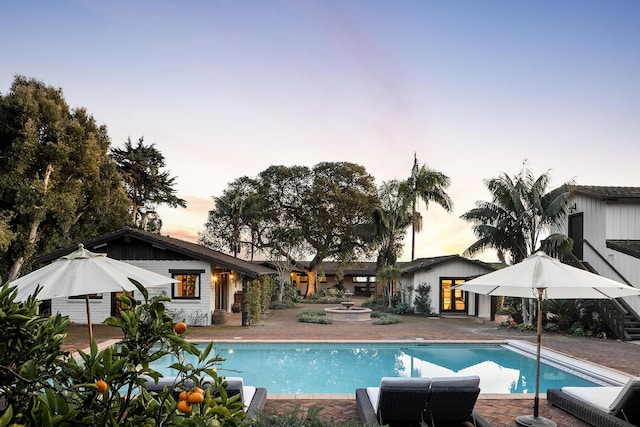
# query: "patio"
{"points": [[499, 411]]}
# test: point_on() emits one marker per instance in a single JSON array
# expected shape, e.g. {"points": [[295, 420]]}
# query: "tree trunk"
{"points": [[134, 213], [14, 272], [312, 286]]}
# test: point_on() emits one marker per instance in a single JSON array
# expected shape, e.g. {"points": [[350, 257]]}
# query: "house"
{"points": [[359, 278], [209, 282], [441, 274], [604, 223]]}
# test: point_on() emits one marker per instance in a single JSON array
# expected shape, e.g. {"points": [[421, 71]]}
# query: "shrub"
{"points": [[296, 418], [56, 389], [422, 303], [385, 319], [30, 354], [402, 308], [370, 302], [525, 327], [552, 327], [258, 297], [318, 316], [281, 305], [578, 332]]}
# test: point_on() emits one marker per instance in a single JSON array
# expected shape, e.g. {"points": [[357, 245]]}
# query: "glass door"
{"points": [[452, 300]]}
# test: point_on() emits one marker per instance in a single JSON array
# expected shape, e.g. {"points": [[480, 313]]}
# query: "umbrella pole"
{"points": [[535, 420], [86, 301]]}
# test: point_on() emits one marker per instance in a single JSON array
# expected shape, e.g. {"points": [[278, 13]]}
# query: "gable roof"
{"points": [[423, 263], [627, 247], [186, 249], [607, 192]]}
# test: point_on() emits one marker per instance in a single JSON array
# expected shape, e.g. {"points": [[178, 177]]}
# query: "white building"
{"points": [[604, 223], [209, 281]]}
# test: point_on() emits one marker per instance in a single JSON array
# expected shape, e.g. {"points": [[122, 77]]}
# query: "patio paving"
{"points": [[499, 411]]}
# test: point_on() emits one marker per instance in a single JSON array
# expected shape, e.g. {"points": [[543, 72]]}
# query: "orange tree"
{"points": [[43, 386]]}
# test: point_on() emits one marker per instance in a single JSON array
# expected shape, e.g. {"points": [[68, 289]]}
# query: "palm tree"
{"points": [[429, 186], [389, 275], [390, 221], [521, 212]]}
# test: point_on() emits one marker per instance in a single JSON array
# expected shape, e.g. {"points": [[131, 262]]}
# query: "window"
{"points": [[188, 285], [364, 279]]}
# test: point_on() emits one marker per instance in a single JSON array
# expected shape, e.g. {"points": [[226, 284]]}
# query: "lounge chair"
{"points": [[395, 401], [399, 401], [601, 406], [452, 400], [254, 398]]}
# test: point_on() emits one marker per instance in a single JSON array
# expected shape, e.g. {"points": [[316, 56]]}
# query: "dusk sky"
{"points": [[227, 88]]}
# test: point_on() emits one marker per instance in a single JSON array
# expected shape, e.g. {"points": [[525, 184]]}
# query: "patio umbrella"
{"points": [[540, 276], [82, 273]]}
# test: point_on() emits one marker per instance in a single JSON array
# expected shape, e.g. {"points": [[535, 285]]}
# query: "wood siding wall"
{"points": [[610, 221], [191, 310], [454, 268]]}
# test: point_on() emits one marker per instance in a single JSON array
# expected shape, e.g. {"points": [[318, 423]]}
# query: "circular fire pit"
{"points": [[348, 314]]}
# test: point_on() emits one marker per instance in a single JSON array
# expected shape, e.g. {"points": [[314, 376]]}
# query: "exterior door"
{"points": [[222, 292], [576, 232], [452, 300]]}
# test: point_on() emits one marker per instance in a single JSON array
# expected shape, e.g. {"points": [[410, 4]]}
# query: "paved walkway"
{"points": [[499, 411]]}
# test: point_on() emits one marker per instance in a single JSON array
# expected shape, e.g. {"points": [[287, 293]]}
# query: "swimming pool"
{"points": [[337, 368]]}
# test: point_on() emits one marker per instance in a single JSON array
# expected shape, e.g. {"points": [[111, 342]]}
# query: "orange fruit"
{"points": [[183, 395], [198, 390], [195, 397], [184, 406], [102, 386], [180, 328]]}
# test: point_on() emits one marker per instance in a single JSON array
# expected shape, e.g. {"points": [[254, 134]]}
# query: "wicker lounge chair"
{"points": [[395, 401], [601, 406], [254, 398], [452, 399], [419, 401]]}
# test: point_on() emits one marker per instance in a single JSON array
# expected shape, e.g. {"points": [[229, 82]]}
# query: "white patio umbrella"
{"points": [[540, 276], [82, 273]]}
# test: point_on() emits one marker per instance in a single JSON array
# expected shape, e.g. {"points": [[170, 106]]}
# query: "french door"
{"points": [[452, 300]]}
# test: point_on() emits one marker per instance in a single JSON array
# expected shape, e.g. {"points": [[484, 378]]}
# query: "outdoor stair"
{"points": [[616, 314], [620, 317]]}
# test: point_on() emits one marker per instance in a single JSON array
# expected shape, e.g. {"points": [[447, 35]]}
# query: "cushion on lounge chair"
{"points": [[254, 398], [235, 386], [623, 401], [601, 406], [452, 399], [599, 397], [471, 381]]}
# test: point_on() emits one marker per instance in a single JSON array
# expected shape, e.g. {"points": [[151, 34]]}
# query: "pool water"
{"points": [[302, 368]]}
